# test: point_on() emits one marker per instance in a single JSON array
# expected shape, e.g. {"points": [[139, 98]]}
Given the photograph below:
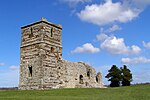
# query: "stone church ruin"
{"points": [[41, 63]]}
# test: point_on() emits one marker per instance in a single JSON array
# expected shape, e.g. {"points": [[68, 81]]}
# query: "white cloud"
{"points": [[2, 64], [14, 67], [138, 60], [146, 45], [116, 45], [101, 37], [111, 29], [114, 28], [74, 2], [135, 49], [108, 12], [86, 48]]}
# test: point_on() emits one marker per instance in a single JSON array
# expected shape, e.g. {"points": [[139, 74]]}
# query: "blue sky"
{"points": [[98, 32]]}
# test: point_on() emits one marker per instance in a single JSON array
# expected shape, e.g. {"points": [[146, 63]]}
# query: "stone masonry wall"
{"points": [[78, 75], [41, 64]]}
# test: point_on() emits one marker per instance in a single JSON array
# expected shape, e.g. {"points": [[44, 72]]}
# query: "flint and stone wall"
{"points": [[78, 75], [41, 64]]}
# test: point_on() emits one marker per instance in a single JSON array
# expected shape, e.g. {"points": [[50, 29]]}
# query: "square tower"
{"points": [[41, 49]]}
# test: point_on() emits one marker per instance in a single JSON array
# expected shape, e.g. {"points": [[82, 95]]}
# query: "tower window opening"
{"points": [[30, 71], [51, 32], [31, 33]]}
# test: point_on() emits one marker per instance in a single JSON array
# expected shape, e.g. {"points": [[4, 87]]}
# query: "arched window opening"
{"points": [[88, 74], [81, 79], [30, 71], [97, 79]]}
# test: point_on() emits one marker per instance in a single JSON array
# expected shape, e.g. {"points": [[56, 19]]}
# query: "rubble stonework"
{"points": [[41, 63]]}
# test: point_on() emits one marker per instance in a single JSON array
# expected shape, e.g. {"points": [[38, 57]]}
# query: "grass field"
{"points": [[138, 92]]}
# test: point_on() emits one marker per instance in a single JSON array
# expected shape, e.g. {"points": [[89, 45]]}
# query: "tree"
{"points": [[114, 76], [126, 76]]}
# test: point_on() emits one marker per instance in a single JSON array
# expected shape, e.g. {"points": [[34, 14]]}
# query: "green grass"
{"points": [[138, 92]]}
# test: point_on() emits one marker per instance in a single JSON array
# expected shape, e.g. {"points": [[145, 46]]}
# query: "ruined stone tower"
{"points": [[40, 50], [41, 64]]}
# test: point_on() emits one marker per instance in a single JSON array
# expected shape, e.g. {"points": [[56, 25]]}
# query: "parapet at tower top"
{"points": [[45, 21]]}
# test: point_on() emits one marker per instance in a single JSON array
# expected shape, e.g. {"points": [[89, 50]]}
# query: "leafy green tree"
{"points": [[114, 76], [126, 76]]}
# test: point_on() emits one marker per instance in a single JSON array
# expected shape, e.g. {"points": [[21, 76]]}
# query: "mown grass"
{"points": [[139, 92]]}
